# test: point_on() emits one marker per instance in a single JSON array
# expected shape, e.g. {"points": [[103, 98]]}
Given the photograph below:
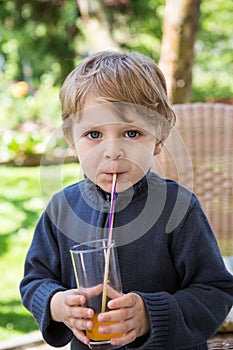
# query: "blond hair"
{"points": [[117, 77]]}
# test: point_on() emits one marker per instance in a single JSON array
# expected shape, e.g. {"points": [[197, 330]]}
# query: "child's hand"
{"points": [[129, 309], [68, 307]]}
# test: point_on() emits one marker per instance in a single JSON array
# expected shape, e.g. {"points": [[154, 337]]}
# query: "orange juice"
{"points": [[93, 334]]}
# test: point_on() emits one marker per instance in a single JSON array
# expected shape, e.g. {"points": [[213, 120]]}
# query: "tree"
{"points": [[177, 54], [42, 39], [37, 36], [95, 25]]}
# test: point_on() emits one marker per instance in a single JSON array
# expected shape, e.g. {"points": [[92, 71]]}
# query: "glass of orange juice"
{"points": [[98, 277]]}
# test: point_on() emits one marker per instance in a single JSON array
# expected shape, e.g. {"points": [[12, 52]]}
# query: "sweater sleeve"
{"points": [[197, 309], [42, 280]]}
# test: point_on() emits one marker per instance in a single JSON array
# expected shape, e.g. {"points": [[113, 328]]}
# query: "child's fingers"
{"points": [[80, 312], [126, 300], [127, 328], [75, 299], [81, 336], [81, 324], [126, 338], [112, 293], [130, 311], [92, 291], [78, 297], [116, 315]]}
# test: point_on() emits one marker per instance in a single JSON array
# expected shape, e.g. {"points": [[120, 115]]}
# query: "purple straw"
{"points": [[111, 215], [110, 227]]}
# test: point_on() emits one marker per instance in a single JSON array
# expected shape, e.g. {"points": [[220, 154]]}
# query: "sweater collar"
{"points": [[98, 198], [139, 189]]}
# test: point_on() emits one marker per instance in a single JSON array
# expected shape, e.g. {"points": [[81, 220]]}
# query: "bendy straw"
{"points": [[110, 227]]}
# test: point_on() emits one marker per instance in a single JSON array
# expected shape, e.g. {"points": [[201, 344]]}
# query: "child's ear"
{"points": [[71, 144], [74, 151], [158, 147]]}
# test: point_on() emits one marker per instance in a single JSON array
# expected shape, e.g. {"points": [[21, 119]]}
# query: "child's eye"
{"points": [[131, 133], [94, 134]]}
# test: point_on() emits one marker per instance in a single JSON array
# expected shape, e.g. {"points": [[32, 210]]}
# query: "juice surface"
{"points": [[93, 333]]}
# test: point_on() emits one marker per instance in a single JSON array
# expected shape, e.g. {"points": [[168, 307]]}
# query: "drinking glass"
{"points": [[98, 278]]}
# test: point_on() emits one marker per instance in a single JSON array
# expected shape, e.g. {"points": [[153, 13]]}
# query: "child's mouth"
{"points": [[112, 173]]}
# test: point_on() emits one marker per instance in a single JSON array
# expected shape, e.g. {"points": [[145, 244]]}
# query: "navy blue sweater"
{"points": [[167, 252]]}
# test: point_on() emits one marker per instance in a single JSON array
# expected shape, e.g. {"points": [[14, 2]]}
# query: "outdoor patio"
{"points": [[34, 341]]}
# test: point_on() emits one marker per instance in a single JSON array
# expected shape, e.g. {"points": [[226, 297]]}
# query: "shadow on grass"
{"points": [[12, 317], [4, 243], [30, 218]]}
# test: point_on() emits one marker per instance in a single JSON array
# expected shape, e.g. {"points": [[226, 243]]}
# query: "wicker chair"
{"points": [[199, 154]]}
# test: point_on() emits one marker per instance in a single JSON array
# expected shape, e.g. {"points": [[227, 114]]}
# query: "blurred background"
{"points": [[40, 43]]}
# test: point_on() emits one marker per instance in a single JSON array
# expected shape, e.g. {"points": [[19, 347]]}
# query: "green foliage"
{"points": [[40, 105], [15, 144], [38, 44], [39, 41], [214, 64], [18, 189], [28, 121], [37, 37], [21, 206], [140, 29]]}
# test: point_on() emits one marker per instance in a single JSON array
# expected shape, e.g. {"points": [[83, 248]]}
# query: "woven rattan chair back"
{"points": [[199, 154]]}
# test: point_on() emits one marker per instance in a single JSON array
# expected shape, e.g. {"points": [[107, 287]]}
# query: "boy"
{"points": [[177, 291]]}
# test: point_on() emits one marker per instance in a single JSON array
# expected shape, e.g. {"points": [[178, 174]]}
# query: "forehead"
{"points": [[108, 114], [97, 113]]}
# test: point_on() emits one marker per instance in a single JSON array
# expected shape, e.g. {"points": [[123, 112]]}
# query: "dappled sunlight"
{"points": [[14, 318], [21, 206]]}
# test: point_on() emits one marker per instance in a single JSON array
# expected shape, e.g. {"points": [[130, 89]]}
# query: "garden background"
{"points": [[40, 42]]}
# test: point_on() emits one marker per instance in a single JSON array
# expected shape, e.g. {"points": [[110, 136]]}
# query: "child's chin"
{"points": [[123, 185]]}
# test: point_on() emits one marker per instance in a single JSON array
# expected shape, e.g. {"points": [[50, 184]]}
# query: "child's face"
{"points": [[106, 143]]}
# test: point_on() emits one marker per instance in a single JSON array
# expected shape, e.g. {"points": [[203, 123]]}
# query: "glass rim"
{"points": [[93, 246]]}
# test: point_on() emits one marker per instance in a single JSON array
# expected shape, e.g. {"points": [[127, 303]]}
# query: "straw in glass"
{"points": [[110, 228]]}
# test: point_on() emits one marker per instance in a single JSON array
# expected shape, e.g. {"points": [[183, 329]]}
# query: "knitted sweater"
{"points": [[167, 253]]}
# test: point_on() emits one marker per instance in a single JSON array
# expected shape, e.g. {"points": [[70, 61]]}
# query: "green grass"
{"points": [[24, 194]]}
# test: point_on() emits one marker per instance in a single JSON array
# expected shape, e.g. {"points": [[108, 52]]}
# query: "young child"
{"points": [[177, 291]]}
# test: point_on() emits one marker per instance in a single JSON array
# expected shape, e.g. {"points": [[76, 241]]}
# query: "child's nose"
{"points": [[113, 149]]}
